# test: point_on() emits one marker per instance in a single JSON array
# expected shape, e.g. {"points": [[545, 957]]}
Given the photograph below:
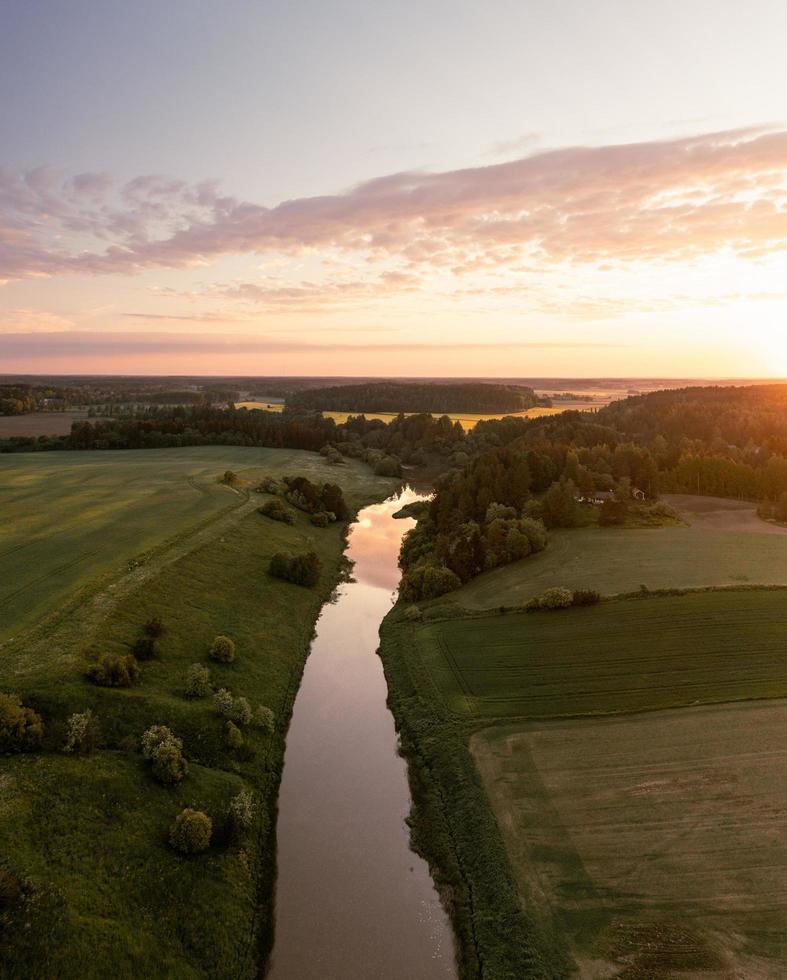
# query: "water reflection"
{"points": [[353, 901]]}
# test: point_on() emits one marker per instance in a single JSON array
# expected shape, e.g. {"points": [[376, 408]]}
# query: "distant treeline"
{"points": [[414, 439], [391, 396], [21, 399]]}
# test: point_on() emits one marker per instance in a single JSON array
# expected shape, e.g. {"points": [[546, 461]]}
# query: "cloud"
{"points": [[667, 201], [33, 321], [188, 317], [51, 346], [508, 147]]}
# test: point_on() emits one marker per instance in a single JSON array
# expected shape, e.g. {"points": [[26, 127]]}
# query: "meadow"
{"points": [[655, 839], [618, 560], [104, 893], [67, 518]]}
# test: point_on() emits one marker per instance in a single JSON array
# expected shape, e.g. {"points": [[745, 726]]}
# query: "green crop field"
{"points": [[643, 844], [654, 841], [615, 560], [623, 655], [104, 894], [66, 518]]}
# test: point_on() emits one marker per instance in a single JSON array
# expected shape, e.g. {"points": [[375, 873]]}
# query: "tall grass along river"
{"points": [[352, 899]]}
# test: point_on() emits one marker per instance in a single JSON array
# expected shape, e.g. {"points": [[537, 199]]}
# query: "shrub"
{"points": [[277, 511], [321, 519], [586, 597], [427, 581], [10, 888], [300, 569], [197, 681], [242, 809], [21, 728], [114, 670], [497, 511], [169, 766], [233, 735], [264, 719], [223, 701], [222, 649], [388, 466], [555, 598], [156, 736], [145, 648], [154, 628], [84, 733], [191, 832], [413, 614], [230, 478], [241, 711]]}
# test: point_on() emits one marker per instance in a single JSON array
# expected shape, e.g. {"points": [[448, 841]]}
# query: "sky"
{"points": [[442, 187]]}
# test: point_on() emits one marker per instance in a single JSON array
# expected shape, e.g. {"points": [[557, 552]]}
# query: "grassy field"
{"points": [[565, 794], [67, 518], [468, 419], [615, 560], [41, 423], [618, 656], [656, 841], [104, 893]]}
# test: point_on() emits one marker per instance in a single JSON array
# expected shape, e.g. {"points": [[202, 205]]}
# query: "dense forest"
{"points": [[391, 396]]}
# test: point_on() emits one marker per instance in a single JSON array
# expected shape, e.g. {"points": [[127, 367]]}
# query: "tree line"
{"points": [[391, 396]]}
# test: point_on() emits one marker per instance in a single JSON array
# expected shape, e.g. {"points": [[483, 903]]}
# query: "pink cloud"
{"points": [[657, 201]]}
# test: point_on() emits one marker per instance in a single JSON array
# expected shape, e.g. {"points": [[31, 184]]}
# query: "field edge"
{"points": [[454, 829]]}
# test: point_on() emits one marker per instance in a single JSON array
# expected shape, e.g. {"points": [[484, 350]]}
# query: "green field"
{"points": [[616, 560], [656, 841], [104, 894], [624, 655], [643, 844], [67, 518]]}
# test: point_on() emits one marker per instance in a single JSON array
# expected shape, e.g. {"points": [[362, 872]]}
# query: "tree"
{"points": [[21, 728], [84, 733], [154, 628], [223, 649], [191, 832], [197, 681], [114, 670], [559, 505]]}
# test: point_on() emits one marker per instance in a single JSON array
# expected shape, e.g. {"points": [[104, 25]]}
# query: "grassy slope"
{"points": [[449, 679], [66, 518], [615, 560], [108, 896]]}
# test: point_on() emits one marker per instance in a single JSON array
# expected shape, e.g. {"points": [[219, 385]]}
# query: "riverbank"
{"points": [[454, 828], [101, 891]]}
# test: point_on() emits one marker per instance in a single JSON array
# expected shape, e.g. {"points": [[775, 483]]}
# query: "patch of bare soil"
{"points": [[721, 514]]}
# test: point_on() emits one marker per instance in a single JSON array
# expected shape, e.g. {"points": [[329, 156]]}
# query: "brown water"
{"points": [[353, 901]]}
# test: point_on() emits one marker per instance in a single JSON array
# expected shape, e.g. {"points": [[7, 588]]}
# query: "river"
{"points": [[353, 901]]}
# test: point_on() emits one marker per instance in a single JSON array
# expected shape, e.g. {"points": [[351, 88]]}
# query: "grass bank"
{"points": [[103, 894], [453, 827]]}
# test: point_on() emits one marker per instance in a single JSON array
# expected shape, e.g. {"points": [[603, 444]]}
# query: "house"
{"points": [[597, 497], [637, 494]]}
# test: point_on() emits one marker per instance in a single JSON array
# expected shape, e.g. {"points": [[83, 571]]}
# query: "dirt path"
{"points": [[79, 618], [721, 514]]}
